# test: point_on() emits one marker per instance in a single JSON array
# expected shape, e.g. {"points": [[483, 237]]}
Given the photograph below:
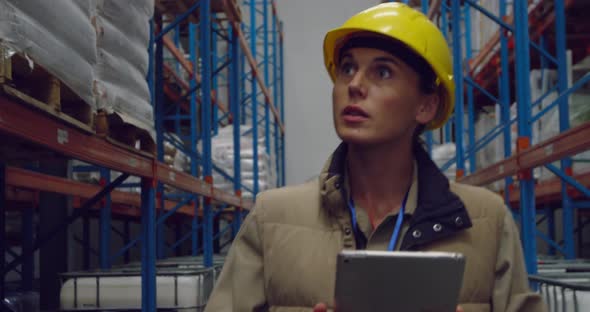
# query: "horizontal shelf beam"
{"points": [[30, 180], [21, 182], [17, 120], [568, 143], [550, 190]]}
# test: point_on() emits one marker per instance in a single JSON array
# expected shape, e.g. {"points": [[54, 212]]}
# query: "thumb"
{"points": [[459, 309]]}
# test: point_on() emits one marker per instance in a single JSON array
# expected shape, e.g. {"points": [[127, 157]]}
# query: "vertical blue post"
{"points": [[86, 242], [159, 116], [470, 104], [193, 135], [234, 98], [127, 239], [504, 88], [282, 101], [458, 72], [265, 4], [564, 124], [215, 61], [150, 72], [427, 134], [253, 36], [205, 49], [148, 246], [448, 129], [523, 89], [160, 229], [177, 44], [275, 89], [105, 223], [429, 142], [27, 245], [244, 79], [550, 214], [236, 223], [424, 6]]}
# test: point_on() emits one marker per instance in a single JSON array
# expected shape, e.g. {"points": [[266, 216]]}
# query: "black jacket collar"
{"points": [[439, 212]]}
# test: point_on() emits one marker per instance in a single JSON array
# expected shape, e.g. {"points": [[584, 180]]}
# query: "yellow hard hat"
{"points": [[410, 27]]}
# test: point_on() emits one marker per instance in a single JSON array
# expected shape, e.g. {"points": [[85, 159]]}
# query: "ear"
{"points": [[427, 108]]}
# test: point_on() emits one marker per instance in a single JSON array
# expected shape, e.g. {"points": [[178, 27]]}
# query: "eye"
{"points": [[347, 68], [384, 72]]}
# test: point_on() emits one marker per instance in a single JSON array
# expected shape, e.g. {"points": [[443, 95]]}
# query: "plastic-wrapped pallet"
{"points": [[483, 28], [493, 152], [122, 42], [175, 157], [443, 153], [58, 35], [223, 157], [98, 48], [548, 125]]}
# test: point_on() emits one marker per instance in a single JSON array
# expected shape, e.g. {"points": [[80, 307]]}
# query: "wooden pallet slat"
{"points": [[38, 88]]}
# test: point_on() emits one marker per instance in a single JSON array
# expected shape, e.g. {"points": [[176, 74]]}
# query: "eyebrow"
{"points": [[387, 59], [345, 55]]}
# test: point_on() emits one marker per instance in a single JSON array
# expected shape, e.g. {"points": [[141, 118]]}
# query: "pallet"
{"points": [[116, 131], [41, 90]]}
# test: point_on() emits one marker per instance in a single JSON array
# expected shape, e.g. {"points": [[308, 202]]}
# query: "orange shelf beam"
{"points": [[568, 143], [19, 121], [550, 191], [22, 183]]}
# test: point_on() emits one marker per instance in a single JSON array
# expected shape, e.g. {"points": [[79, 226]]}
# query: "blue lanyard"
{"points": [[398, 222]]}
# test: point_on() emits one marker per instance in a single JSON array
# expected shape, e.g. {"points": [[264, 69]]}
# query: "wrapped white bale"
{"points": [[121, 69], [126, 29], [58, 35]]}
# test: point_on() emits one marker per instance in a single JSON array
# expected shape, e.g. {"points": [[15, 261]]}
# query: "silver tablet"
{"points": [[398, 281]]}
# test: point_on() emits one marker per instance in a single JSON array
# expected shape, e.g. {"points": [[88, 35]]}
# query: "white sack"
{"points": [[64, 46]]}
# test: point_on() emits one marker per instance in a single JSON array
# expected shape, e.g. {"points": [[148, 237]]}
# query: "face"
{"points": [[376, 98]]}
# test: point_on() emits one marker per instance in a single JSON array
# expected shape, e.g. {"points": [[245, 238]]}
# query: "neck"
{"points": [[380, 176]]}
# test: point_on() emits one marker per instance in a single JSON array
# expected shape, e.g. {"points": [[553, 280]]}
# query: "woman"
{"points": [[392, 76]]}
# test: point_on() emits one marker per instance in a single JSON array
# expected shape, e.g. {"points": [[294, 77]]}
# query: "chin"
{"points": [[363, 137], [357, 137]]}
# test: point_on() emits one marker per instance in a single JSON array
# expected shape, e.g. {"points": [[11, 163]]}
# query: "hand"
{"points": [[321, 307]]}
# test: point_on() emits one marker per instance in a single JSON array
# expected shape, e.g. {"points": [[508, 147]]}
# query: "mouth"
{"points": [[354, 113]]}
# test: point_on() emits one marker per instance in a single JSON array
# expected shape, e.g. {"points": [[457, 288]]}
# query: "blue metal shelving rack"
{"points": [[220, 52], [265, 37], [188, 113], [498, 74]]}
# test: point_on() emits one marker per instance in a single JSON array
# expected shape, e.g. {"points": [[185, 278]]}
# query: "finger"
{"points": [[459, 309], [320, 307]]}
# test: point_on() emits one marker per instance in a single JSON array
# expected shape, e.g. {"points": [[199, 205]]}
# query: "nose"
{"points": [[356, 86]]}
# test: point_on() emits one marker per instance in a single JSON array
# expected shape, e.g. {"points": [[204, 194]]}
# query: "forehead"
{"points": [[369, 54]]}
